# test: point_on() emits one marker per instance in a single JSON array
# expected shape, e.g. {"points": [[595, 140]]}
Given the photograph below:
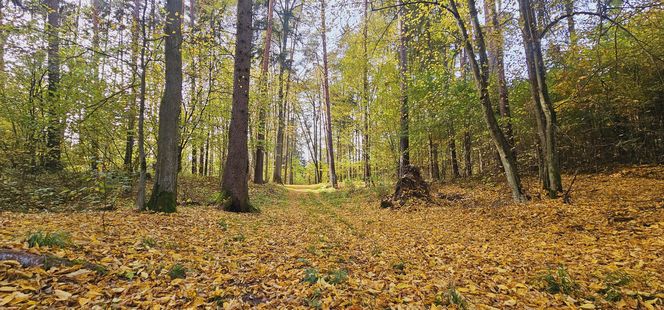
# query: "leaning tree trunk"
{"points": [[164, 192], [262, 113], [234, 181], [480, 73], [54, 129], [326, 90]]}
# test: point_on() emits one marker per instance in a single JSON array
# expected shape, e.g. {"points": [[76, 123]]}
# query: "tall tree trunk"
{"points": [[433, 159], [131, 104], [54, 128], [496, 47], [404, 152], [263, 84], [467, 154], [480, 73], [234, 182], [140, 198], [194, 158], [206, 170], [536, 63], [454, 162], [164, 192], [328, 110], [281, 122], [366, 149]]}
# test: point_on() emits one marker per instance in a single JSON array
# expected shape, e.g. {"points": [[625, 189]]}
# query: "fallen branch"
{"points": [[46, 261]]}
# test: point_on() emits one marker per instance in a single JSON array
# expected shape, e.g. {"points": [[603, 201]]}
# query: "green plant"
{"points": [[313, 300], [613, 281], [222, 224], [177, 271], [399, 267], [336, 276], [559, 281], [451, 297], [54, 239], [239, 238], [310, 275], [149, 242]]}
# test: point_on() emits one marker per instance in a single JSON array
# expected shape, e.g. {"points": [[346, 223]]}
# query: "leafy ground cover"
{"points": [[315, 248]]}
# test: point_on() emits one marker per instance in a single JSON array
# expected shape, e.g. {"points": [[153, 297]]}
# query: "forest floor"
{"points": [[311, 247]]}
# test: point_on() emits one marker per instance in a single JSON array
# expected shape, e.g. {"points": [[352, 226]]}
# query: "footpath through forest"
{"points": [[315, 248]]}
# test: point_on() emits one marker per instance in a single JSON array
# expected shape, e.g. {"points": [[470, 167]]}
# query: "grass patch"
{"points": [[177, 271], [223, 225], [313, 300], [337, 276], [613, 281], [239, 238], [148, 242], [559, 281], [58, 239]]}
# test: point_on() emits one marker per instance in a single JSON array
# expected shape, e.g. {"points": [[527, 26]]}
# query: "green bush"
{"points": [[177, 271], [310, 275], [58, 239], [559, 281]]}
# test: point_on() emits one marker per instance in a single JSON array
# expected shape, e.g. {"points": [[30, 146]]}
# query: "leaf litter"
{"points": [[340, 250]]}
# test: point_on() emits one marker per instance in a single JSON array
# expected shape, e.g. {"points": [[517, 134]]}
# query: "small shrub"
{"points": [[177, 271], [53, 239], [613, 281], [399, 267], [337, 276], [559, 281], [310, 275], [148, 242], [222, 224], [313, 300], [451, 297]]}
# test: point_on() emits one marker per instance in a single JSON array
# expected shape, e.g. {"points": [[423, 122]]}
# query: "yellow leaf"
{"points": [[7, 289], [6, 300], [83, 301], [510, 302], [588, 306], [62, 295]]}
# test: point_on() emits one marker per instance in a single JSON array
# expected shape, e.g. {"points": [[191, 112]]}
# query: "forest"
{"points": [[332, 154]]}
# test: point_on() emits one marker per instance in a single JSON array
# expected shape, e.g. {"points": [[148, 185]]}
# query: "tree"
{"points": [[480, 70], [263, 84], [547, 123], [234, 181], [164, 192], [326, 95], [404, 152], [54, 131]]}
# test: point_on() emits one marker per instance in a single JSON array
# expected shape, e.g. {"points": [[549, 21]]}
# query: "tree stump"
{"points": [[411, 186]]}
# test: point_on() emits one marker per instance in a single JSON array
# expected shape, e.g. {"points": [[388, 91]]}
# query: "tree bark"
{"points": [[54, 128], [326, 90], [164, 192], [467, 154], [140, 198], [548, 124], [433, 159], [480, 73], [404, 152], [263, 84], [234, 182], [366, 149]]}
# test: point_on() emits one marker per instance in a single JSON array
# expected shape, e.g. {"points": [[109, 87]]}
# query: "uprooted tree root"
{"points": [[46, 261], [410, 189]]}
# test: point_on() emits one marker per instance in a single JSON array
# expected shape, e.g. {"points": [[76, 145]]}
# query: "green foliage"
{"points": [[177, 271], [313, 300], [451, 297], [336, 276], [148, 242], [399, 267], [223, 225], [58, 239], [559, 281], [239, 238], [613, 281], [311, 275]]}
